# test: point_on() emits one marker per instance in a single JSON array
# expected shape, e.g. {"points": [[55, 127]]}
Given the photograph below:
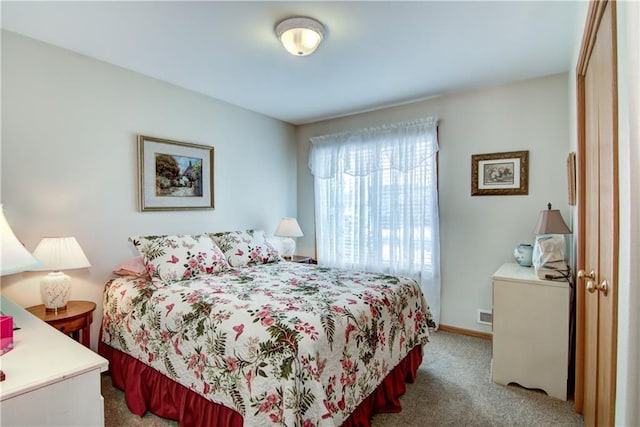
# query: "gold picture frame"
{"points": [[500, 174], [571, 177], [174, 175]]}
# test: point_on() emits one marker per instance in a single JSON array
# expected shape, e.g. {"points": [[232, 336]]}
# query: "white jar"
{"points": [[523, 254]]}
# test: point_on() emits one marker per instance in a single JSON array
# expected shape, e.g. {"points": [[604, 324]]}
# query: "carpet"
{"points": [[453, 388]]}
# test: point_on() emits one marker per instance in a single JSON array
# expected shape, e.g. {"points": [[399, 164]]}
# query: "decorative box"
{"points": [[6, 334]]}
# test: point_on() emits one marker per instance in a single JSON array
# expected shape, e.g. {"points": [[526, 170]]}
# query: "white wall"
{"points": [[69, 160], [478, 234]]}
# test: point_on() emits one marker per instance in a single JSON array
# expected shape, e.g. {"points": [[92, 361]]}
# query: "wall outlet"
{"points": [[485, 317]]}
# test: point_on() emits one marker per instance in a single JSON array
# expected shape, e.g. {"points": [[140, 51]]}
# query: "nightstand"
{"points": [[530, 330], [301, 259], [75, 320]]}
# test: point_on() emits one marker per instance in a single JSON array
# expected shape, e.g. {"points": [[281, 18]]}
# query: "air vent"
{"points": [[485, 317]]}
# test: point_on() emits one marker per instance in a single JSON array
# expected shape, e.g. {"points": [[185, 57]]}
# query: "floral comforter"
{"points": [[281, 343]]}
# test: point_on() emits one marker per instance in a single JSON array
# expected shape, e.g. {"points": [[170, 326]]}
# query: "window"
{"points": [[376, 201]]}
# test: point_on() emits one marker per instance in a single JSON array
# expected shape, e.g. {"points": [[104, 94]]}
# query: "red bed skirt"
{"points": [[148, 390]]}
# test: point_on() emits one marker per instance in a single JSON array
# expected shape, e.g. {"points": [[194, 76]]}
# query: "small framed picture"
{"points": [[174, 175], [500, 174]]}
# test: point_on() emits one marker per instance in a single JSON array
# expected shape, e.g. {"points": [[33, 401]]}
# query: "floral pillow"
{"points": [[171, 258], [246, 247]]}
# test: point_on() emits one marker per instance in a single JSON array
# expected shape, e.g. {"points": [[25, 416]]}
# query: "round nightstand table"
{"points": [[74, 320]]}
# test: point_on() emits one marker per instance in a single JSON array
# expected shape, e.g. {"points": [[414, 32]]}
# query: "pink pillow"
{"points": [[133, 267]]}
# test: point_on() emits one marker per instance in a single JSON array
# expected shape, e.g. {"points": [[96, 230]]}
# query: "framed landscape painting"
{"points": [[500, 174], [174, 175]]}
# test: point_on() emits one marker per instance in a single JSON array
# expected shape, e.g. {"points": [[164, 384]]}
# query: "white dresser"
{"points": [[51, 380], [530, 330]]}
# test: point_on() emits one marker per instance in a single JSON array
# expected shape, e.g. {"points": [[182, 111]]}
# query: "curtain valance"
{"points": [[402, 146]]}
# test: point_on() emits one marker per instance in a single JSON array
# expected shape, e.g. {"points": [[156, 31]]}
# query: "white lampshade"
{"points": [[14, 257], [58, 253], [300, 36], [288, 228]]}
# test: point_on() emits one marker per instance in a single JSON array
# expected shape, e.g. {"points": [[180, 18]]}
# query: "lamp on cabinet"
{"points": [[57, 254], [549, 249], [14, 257]]}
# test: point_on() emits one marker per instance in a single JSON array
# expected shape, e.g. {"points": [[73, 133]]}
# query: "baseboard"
{"points": [[468, 332]]}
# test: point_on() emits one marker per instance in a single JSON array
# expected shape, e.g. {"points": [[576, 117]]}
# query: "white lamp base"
{"points": [[55, 289], [288, 247]]}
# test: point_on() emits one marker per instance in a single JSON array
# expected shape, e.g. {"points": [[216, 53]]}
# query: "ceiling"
{"points": [[375, 54]]}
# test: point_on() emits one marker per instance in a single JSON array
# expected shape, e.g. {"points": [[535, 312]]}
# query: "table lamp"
{"points": [[288, 228], [549, 249], [14, 257], [56, 254]]}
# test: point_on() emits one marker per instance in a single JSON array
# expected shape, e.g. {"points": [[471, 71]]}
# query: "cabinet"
{"points": [[530, 330], [51, 380]]}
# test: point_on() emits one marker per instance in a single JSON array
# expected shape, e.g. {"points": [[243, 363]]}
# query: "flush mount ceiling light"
{"points": [[300, 36]]}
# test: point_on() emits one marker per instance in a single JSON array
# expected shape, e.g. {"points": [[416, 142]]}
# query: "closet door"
{"points": [[598, 218]]}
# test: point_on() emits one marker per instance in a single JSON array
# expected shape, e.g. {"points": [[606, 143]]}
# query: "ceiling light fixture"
{"points": [[300, 36]]}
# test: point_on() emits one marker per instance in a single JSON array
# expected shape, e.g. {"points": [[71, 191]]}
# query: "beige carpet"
{"points": [[453, 388]]}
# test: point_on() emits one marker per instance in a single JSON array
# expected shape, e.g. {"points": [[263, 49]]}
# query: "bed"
{"points": [[265, 343]]}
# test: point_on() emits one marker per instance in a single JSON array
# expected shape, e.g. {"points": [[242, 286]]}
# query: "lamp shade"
{"points": [[288, 227], [300, 36], [14, 257], [60, 253], [550, 222]]}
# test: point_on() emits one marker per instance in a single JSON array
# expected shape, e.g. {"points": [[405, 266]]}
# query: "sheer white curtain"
{"points": [[376, 202]]}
